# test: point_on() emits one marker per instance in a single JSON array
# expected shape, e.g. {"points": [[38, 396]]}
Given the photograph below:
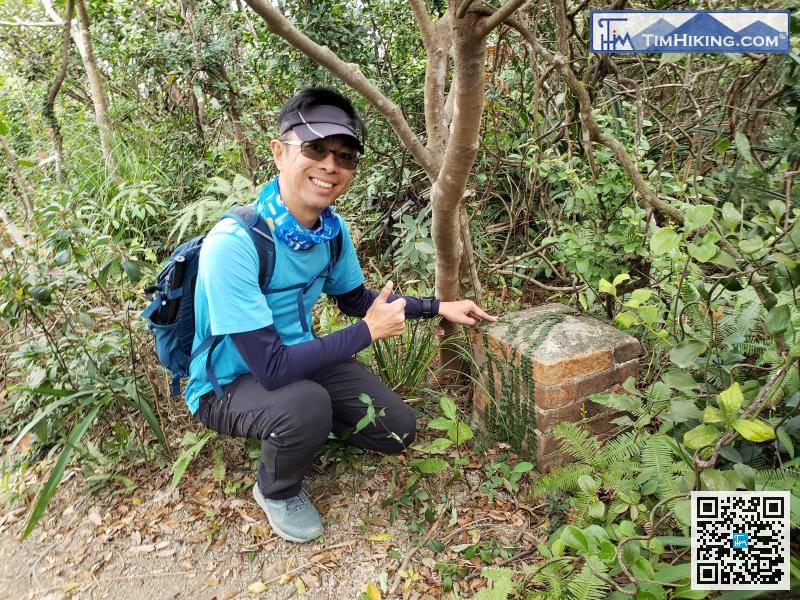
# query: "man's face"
{"points": [[312, 184]]}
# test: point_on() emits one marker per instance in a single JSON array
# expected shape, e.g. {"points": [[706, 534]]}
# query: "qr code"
{"points": [[740, 540]]}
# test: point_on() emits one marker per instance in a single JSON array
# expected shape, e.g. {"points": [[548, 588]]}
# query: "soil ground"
{"points": [[200, 542]]}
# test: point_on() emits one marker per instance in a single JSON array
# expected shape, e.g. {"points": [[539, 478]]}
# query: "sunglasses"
{"points": [[318, 151]]}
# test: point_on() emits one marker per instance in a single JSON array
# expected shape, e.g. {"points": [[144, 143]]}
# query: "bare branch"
{"points": [[463, 8], [49, 104], [500, 15], [424, 23], [29, 24], [350, 74], [577, 87], [51, 12]]}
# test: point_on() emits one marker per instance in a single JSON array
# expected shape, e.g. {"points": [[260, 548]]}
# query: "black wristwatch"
{"points": [[427, 307]]}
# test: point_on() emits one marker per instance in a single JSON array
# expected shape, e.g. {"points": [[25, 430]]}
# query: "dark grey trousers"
{"points": [[294, 421]]}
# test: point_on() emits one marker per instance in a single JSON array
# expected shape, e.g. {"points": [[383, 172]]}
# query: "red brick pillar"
{"points": [[536, 368]]}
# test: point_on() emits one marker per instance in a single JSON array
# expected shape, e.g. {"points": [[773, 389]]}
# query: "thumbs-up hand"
{"points": [[386, 319]]}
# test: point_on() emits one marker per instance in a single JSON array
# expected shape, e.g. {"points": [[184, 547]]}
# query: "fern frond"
{"points": [[621, 402], [784, 478], [586, 586], [657, 453], [621, 448], [577, 442], [561, 479]]}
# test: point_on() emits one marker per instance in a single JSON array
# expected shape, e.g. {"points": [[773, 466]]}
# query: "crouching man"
{"points": [[280, 383]]}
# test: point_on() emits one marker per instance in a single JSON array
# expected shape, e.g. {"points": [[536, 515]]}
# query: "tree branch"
{"points": [[424, 23], [48, 110], [587, 120], [500, 15], [29, 24], [351, 75]]}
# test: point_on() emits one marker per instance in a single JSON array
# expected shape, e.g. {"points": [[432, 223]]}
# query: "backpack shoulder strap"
{"points": [[257, 228], [335, 245]]}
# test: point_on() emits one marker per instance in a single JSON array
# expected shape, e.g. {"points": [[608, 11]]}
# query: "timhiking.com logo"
{"points": [[713, 31]]}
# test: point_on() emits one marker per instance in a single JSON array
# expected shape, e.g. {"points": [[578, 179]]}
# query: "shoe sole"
{"points": [[286, 536]]}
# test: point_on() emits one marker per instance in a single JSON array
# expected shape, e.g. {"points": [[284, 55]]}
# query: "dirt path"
{"points": [[199, 542]]}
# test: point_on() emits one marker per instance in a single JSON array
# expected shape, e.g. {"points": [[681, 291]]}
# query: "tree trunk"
{"points": [[447, 194], [83, 41], [49, 110], [18, 179]]}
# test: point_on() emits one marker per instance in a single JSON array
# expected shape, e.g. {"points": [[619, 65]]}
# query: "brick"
{"points": [[625, 370], [601, 424], [595, 384], [479, 402], [603, 381], [545, 444], [627, 351], [545, 463], [572, 368], [554, 396], [579, 410]]}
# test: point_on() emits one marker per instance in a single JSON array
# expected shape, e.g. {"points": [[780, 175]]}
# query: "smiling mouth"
{"points": [[321, 184]]}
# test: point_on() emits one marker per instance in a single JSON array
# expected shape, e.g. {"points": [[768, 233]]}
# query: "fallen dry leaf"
{"points": [[257, 588]]}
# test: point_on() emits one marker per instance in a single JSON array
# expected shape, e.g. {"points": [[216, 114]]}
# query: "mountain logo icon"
{"points": [[721, 31]]}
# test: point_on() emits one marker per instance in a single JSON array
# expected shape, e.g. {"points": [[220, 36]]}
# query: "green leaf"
{"points": [[631, 551], [574, 538], [437, 446], [648, 314], [673, 573], [701, 436], [597, 510], [626, 318], [441, 423], [523, 467], [131, 270], [723, 259], [149, 416], [785, 441], [714, 480], [778, 319], [731, 399], [620, 278], [754, 430], [57, 473], [751, 245], [702, 253], [777, 208], [698, 216], [682, 410], [606, 287], [638, 297], [41, 294], [448, 407], [731, 215], [587, 484], [459, 432], [685, 353], [3, 126], [429, 466], [713, 415], [664, 240], [743, 146], [643, 569], [679, 380]]}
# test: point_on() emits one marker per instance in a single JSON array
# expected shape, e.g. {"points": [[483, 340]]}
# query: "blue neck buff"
{"points": [[287, 229]]}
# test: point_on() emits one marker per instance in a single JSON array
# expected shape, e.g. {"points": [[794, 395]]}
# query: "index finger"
{"points": [[482, 314]]}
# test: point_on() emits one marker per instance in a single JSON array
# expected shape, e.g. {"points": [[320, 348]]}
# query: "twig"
{"points": [[410, 554], [544, 286]]}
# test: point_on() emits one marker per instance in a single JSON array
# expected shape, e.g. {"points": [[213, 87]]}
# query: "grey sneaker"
{"points": [[294, 519]]}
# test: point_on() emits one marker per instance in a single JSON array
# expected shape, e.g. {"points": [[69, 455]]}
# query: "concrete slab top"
{"points": [[574, 335]]}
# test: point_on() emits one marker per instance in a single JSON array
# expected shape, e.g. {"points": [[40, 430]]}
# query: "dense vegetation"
{"points": [[709, 286]]}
